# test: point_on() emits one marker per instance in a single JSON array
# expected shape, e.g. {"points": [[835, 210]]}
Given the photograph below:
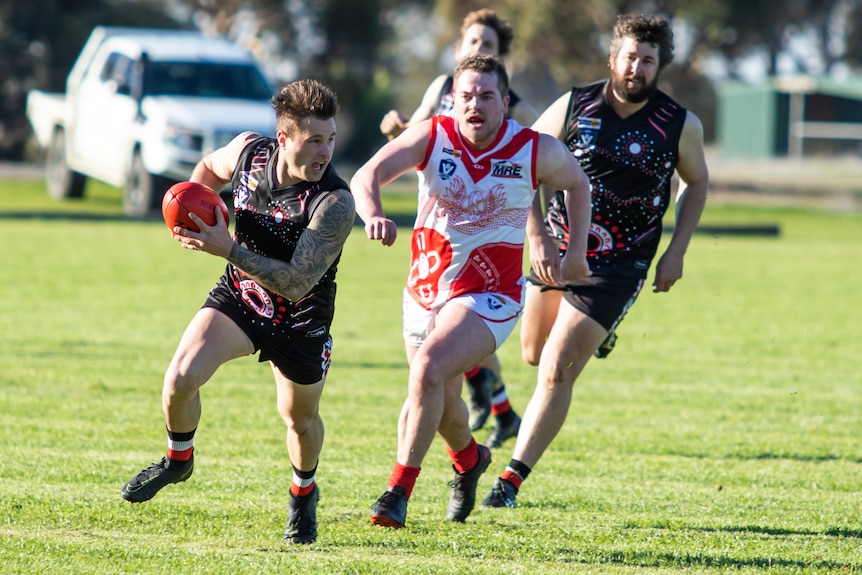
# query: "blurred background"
{"points": [[738, 62]]}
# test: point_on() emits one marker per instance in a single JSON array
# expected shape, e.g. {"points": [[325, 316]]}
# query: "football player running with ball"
{"points": [[276, 297], [478, 178]]}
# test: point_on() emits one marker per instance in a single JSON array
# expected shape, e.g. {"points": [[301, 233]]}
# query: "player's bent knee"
{"points": [[181, 384], [531, 356], [301, 425]]}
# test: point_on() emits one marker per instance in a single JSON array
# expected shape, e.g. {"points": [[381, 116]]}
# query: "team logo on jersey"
{"points": [[446, 169], [451, 152], [247, 185], [506, 169], [256, 298], [587, 129]]}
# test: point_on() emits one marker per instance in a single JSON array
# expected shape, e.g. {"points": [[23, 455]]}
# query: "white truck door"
{"points": [[105, 111]]}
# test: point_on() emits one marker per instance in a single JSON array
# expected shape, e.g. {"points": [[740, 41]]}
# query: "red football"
{"points": [[185, 197]]}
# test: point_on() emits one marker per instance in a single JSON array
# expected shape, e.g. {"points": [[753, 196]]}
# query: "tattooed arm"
{"points": [[318, 246]]}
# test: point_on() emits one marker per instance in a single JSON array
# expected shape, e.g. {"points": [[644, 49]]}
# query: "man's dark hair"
{"points": [[303, 99], [491, 19], [652, 29], [485, 64]]}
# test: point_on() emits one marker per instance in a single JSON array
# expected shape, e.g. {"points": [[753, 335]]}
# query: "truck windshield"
{"points": [[205, 80]]}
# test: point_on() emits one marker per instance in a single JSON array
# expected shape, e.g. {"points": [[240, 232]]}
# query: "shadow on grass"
{"points": [[69, 216], [801, 457], [706, 560], [828, 532]]}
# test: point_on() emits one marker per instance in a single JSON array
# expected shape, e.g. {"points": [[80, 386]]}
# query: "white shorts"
{"points": [[500, 314]]}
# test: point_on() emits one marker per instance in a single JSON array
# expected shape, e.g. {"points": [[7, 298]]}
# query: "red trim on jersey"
{"points": [[432, 138], [480, 168], [533, 160]]}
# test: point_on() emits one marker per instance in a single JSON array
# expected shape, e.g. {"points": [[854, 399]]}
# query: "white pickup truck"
{"points": [[141, 108]]}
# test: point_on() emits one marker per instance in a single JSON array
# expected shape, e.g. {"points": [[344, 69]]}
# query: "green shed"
{"points": [[789, 116]]}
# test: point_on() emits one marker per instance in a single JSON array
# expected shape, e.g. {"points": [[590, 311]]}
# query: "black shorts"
{"points": [[603, 298], [302, 359]]}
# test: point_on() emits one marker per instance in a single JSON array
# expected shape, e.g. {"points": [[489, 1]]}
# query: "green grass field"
{"points": [[721, 436]]}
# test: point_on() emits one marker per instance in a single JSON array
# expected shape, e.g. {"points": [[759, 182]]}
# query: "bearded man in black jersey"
{"points": [[629, 138], [292, 215]]}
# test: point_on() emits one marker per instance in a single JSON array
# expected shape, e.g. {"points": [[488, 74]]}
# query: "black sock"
{"points": [[506, 418], [522, 469]]}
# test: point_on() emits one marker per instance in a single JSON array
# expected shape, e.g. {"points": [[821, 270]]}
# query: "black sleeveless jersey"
{"points": [[630, 162], [269, 221]]}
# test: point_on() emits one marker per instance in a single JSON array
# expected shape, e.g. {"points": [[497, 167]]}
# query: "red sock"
{"points": [[465, 459], [512, 478], [472, 372], [501, 407], [183, 455], [403, 476], [303, 482], [181, 445]]}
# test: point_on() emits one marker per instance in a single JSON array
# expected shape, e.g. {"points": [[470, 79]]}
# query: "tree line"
{"points": [[381, 54]]}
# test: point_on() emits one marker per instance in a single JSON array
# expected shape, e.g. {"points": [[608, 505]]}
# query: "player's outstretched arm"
{"points": [[395, 158], [690, 201]]}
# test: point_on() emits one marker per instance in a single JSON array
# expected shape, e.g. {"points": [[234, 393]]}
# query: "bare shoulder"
{"points": [[692, 129], [240, 141], [340, 197], [552, 120], [692, 163], [552, 149], [335, 213], [235, 147]]}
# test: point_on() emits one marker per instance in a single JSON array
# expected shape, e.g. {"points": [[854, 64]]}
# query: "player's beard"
{"points": [[633, 95]]}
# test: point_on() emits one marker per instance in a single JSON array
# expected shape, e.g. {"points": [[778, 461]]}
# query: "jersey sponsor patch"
{"points": [[506, 169], [587, 123]]}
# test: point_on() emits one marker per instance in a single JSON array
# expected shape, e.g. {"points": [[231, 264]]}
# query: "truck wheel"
{"points": [[143, 193], [62, 182]]}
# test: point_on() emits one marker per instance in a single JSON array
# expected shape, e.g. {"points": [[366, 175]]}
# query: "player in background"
{"points": [[277, 294], [629, 137], [482, 31], [478, 177]]}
